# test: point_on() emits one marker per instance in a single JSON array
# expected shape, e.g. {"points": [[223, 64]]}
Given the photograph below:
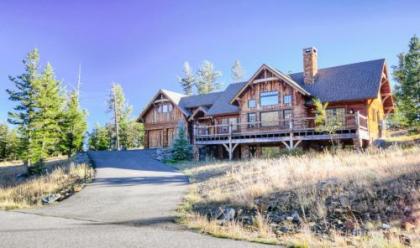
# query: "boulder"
{"points": [[224, 214], [50, 198]]}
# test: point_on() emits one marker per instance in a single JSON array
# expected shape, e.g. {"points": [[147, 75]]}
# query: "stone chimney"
{"points": [[310, 65]]}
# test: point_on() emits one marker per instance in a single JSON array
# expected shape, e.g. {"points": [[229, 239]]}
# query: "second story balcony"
{"points": [[303, 128]]}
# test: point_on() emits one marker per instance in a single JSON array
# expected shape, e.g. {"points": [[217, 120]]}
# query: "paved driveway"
{"points": [[130, 204]]}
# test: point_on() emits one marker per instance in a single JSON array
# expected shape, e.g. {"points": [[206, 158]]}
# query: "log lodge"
{"points": [[274, 110]]}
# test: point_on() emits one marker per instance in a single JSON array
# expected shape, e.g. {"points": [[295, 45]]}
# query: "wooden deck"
{"points": [[290, 132]]}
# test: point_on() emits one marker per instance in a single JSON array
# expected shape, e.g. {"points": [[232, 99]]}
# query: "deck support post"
{"points": [[297, 143], [286, 145], [357, 141], [230, 148], [196, 153], [291, 141]]}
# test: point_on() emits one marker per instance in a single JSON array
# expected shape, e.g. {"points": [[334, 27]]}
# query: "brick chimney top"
{"points": [[310, 65]]}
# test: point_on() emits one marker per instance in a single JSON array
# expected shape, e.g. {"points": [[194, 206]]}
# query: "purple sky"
{"points": [[143, 44]]}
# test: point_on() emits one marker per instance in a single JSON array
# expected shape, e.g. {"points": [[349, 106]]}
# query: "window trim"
{"points": [[270, 124], [255, 103], [334, 112], [254, 122], [291, 100], [269, 94]]}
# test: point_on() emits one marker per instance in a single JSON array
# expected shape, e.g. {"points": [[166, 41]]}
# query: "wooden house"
{"points": [[275, 110]]}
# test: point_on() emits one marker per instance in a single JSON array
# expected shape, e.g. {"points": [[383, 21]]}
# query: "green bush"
{"points": [[181, 148]]}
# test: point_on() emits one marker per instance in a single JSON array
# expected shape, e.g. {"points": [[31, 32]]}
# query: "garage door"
{"points": [[155, 138], [170, 136]]}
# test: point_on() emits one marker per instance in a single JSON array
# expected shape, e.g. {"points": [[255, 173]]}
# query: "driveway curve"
{"points": [[131, 203]]}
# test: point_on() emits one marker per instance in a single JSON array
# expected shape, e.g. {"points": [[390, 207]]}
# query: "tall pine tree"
{"points": [[207, 76], [187, 81], [120, 111], [237, 71], [74, 125], [24, 113], [407, 75], [49, 113]]}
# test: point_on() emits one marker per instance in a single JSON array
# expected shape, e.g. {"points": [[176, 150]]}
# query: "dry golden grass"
{"points": [[10, 169], [263, 234], [30, 192], [403, 138], [241, 182], [20, 163]]}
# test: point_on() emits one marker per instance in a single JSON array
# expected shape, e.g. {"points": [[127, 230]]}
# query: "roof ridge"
{"points": [[171, 91], [331, 67]]}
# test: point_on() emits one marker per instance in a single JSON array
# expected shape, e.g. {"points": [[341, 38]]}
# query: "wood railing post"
{"points": [[357, 117], [230, 142], [357, 141]]}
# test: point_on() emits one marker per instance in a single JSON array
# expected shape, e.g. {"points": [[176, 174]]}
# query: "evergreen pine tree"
{"points": [[74, 125], [99, 139], [181, 149], [187, 82], [206, 78], [12, 146], [8, 143], [407, 75], [121, 111], [237, 71], [24, 112], [135, 134], [4, 131], [49, 113]]}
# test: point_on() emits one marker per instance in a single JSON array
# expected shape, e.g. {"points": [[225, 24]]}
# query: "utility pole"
{"points": [[116, 120], [78, 80]]}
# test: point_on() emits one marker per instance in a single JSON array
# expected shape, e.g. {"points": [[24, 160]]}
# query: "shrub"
{"points": [[181, 149]]}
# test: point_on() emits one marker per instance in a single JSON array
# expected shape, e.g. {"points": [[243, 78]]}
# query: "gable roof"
{"points": [[174, 97], [223, 103], [216, 103], [339, 83], [276, 72], [346, 82], [199, 100]]}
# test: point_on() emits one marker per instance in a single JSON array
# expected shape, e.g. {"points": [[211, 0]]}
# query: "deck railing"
{"points": [[349, 122]]}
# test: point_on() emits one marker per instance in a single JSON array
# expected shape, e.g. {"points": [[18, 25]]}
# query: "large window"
{"points": [[252, 119], [269, 98], [269, 118], [336, 116]]}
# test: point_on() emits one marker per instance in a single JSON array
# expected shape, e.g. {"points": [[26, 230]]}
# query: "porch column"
{"points": [[357, 141], [196, 153]]}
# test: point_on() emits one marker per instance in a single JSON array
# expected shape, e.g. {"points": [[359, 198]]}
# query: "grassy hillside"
{"points": [[346, 199], [61, 178]]}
